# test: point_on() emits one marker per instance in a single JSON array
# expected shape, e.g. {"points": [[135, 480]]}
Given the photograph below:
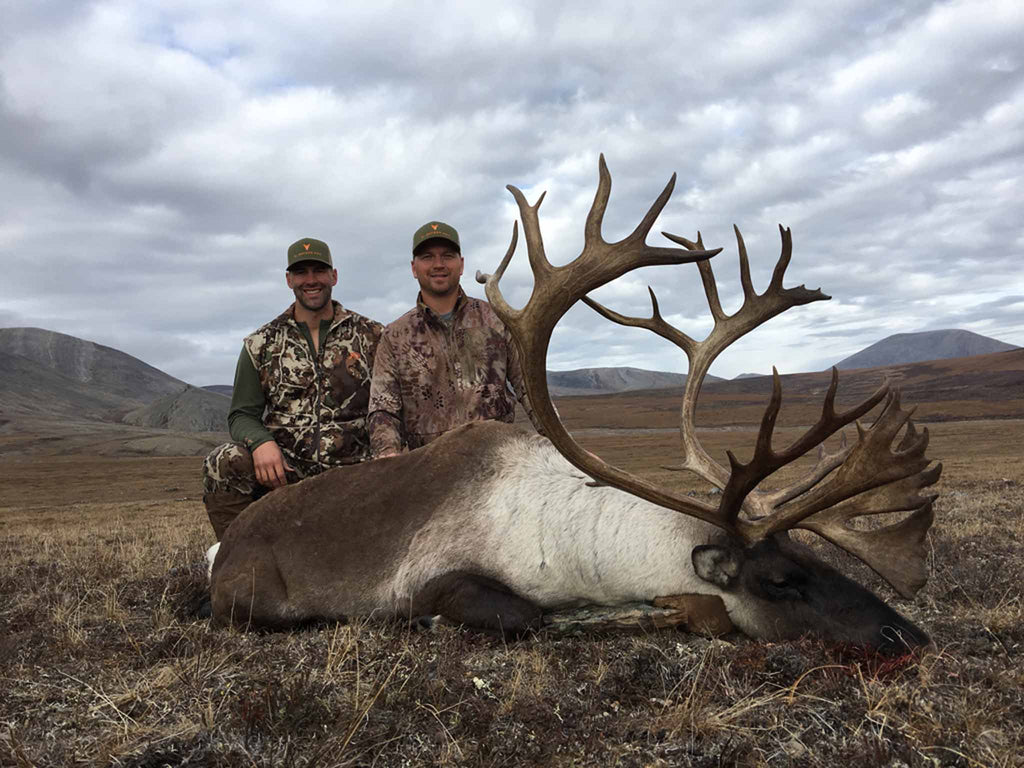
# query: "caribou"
{"points": [[492, 528]]}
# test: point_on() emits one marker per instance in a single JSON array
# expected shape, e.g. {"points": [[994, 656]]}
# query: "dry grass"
{"points": [[101, 663]]}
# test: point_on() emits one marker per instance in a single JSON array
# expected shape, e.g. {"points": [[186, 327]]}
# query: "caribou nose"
{"points": [[898, 638]]}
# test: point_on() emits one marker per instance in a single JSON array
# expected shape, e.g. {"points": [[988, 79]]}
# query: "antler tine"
{"points": [[531, 230], [870, 464], [749, 294], [826, 463], [756, 310], [744, 478], [483, 277], [592, 229], [707, 277], [895, 552], [655, 323], [639, 234], [558, 288], [784, 258]]}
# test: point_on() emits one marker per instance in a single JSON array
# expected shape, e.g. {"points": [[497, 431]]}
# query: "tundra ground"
{"points": [[101, 662]]}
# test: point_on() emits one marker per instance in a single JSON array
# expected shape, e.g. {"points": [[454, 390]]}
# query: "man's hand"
{"points": [[270, 465]]}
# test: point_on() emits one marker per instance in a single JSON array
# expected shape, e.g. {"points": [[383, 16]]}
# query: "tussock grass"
{"points": [[101, 663]]}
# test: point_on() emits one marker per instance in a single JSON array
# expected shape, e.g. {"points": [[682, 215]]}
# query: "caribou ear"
{"points": [[718, 565]]}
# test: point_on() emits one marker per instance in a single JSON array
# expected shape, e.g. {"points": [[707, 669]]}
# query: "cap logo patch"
{"points": [[433, 227], [306, 246]]}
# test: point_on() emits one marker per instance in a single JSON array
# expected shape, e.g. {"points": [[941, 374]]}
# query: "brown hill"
{"points": [[979, 387], [996, 377], [194, 409], [603, 381], [47, 374], [103, 369], [925, 345], [60, 395], [27, 387]]}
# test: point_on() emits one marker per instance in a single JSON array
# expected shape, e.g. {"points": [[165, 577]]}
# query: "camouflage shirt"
{"points": [[431, 375], [315, 403]]}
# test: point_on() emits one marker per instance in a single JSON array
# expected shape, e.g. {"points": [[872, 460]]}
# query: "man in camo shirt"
{"points": [[447, 361], [302, 385]]}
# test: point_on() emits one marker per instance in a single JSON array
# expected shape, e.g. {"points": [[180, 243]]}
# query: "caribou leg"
{"points": [[478, 602]]}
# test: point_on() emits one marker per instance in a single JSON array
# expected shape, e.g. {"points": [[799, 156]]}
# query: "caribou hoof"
{"points": [[203, 608], [425, 623]]}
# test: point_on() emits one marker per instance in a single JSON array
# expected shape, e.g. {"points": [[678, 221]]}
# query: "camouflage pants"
{"points": [[230, 485]]}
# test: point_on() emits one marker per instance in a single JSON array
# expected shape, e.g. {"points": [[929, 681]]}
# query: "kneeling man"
{"points": [[302, 385]]}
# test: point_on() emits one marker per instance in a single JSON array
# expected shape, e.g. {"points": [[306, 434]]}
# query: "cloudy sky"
{"points": [[156, 159]]}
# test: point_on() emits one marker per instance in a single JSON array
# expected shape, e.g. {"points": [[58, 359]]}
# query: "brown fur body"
{"points": [[491, 528], [332, 546]]}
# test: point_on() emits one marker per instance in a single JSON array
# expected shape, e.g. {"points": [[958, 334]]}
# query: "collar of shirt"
{"points": [[433, 317]]}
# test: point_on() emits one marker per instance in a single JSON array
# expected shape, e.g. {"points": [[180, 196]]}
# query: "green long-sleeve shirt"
{"points": [[248, 400]]}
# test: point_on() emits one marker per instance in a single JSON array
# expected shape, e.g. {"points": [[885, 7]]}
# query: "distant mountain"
{"points": [[104, 369], [195, 409], [53, 374], [926, 345], [30, 388], [981, 387], [584, 381], [49, 374], [604, 381], [747, 376]]}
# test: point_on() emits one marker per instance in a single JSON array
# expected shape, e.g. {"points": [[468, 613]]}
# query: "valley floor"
{"points": [[101, 662]]}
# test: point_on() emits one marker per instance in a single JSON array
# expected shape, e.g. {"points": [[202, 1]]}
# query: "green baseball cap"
{"points": [[309, 249], [435, 230]]}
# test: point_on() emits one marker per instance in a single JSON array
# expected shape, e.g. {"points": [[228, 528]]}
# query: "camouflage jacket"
{"points": [[430, 377], [315, 404]]}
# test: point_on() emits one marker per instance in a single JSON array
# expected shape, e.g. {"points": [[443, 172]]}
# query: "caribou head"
{"points": [[493, 528]]}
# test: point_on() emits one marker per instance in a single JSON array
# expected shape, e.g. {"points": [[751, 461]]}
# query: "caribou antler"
{"points": [[867, 478]]}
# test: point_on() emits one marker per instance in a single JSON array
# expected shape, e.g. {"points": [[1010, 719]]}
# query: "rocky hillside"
{"points": [[30, 388], [102, 369], [44, 374], [604, 381], [194, 409], [927, 345]]}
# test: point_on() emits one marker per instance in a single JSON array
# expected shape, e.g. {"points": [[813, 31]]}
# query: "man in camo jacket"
{"points": [[445, 362], [302, 385]]}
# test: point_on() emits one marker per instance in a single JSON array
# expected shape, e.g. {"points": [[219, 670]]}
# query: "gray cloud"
{"points": [[158, 162]]}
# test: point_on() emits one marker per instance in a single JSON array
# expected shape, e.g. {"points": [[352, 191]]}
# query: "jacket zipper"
{"points": [[318, 368]]}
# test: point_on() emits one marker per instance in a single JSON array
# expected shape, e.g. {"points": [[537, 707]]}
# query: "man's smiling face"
{"points": [[312, 282], [437, 266]]}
